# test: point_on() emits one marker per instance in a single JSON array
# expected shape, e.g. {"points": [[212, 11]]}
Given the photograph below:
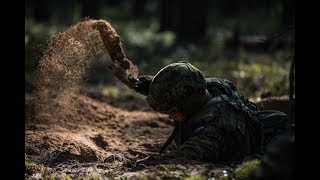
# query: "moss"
{"points": [[93, 176], [244, 170], [33, 168], [65, 177], [39, 171], [167, 167], [195, 177]]}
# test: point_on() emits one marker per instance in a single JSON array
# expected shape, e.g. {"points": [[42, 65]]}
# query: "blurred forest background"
{"points": [[249, 42]]}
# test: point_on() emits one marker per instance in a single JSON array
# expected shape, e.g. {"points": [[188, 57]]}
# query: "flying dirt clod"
{"points": [[122, 67]]}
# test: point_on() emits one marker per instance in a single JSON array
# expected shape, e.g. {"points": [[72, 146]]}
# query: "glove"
{"points": [[116, 157], [142, 85], [141, 163]]}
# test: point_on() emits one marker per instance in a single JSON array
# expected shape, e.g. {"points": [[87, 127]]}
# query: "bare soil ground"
{"points": [[69, 136], [78, 143]]}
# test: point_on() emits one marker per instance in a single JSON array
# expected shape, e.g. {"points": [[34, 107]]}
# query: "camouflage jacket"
{"points": [[228, 127]]}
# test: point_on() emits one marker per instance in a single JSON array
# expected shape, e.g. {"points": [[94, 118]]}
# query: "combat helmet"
{"points": [[178, 87]]}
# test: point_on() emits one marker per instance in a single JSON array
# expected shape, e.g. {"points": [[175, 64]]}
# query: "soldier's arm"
{"points": [[206, 144], [143, 83]]}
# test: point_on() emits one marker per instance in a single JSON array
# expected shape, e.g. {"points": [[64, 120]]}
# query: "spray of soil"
{"points": [[63, 66], [122, 67]]}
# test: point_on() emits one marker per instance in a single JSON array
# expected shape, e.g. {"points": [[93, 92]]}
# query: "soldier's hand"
{"points": [[116, 157], [143, 83]]}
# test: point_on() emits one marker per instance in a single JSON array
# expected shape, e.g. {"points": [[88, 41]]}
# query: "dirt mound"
{"points": [[77, 109], [91, 133], [280, 103], [89, 116]]}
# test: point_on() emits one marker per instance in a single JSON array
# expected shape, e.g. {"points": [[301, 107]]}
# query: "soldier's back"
{"points": [[227, 119]]}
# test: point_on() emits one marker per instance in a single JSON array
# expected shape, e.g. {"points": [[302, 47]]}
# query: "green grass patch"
{"points": [[167, 167], [244, 170], [194, 177], [32, 168]]}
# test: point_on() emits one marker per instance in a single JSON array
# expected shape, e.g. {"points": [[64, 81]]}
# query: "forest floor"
{"points": [[75, 147], [69, 135]]}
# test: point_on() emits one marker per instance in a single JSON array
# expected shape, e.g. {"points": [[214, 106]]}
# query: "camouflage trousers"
{"points": [[278, 161], [275, 124]]}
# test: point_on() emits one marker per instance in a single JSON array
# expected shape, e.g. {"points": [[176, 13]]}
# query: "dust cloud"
{"points": [[63, 66]]}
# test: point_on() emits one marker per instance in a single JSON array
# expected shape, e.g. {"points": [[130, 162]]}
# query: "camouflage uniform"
{"points": [[228, 127], [278, 161]]}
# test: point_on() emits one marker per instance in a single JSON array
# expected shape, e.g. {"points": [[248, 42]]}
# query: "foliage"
{"points": [[256, 73]]}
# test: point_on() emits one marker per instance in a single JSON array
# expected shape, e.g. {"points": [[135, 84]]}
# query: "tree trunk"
{"points": [[187, 19], [169, 13], [91, 8], [41, 9], [138, 7], [291, 91], [288, 12]]}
